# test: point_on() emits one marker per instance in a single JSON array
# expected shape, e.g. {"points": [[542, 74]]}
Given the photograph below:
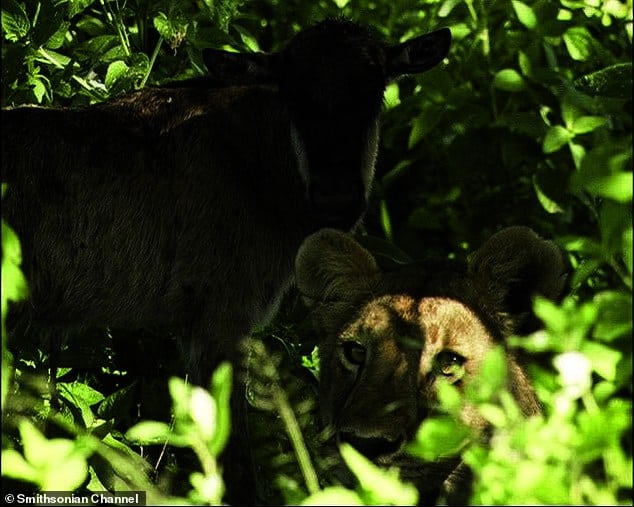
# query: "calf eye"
{"points": [[354, 353], [450, 364]]}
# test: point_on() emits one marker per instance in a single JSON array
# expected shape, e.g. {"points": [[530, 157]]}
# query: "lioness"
{"points": [[386, 339]]}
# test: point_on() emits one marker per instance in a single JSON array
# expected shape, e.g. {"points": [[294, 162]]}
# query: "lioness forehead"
{"points": [[441, 322]]}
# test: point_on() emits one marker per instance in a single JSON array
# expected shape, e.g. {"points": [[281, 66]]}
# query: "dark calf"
{"points": [[183, 208]]}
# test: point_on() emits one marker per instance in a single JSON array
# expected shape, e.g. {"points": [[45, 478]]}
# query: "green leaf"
{"points": [[59, 464], [615, 186], [613, 81], [509, 80], [440, 436], [56, 40], [615, 315], [117, 404], [15, 466], [524, 63], [424, 124], [604, 359], [249, 40], [116, 70], [380, 487], [627, 249], [334, 495], [491, 377], [149, 432], [82, 391], [525, 14], [578, 153], [163, 26], [586, 124], [81, 396], [14, 286], [15, 22], [391, 96], [220, 388], [578, 42], [447, 7], [77, 6], [555, 138], [550, 205]]}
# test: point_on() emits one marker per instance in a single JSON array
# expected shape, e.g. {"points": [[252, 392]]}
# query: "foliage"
{"points": [[529, 122]]}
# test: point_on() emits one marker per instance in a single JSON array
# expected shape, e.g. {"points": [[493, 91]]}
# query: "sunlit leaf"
{"points": [[550, 205], [221, 383], [334, 495], [381, 487], [491, 377], [446, 7], [615, 186], [440, 436], [524, 63], [203, 411], [15, 466], [77, 6], [391, 96], [578, 152], [509, 80], [586, 124], [116, 70], [14, 287], [247, 38], [604, 359], [15, 22], [525, 14], [341, 3], [615, 315], [60, 466], [578, 42], [149, 432], [555, 138]]}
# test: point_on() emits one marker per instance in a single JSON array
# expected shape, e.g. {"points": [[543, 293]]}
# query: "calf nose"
{"points": [[334, 207]]}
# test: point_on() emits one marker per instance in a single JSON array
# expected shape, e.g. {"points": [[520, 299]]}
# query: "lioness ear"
{"points": [[511, 268], [331, 266]]}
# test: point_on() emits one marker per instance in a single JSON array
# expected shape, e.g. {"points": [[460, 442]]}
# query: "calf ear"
{"points": [[331, 266], [239, 68], [418, 54], [511, 268]]}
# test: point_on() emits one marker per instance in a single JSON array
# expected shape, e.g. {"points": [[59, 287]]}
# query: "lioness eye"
{"points": [[354, 353], [449, 363]]}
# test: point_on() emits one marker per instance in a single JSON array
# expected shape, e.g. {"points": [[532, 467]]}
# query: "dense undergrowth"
{"points": [[528, 122]]}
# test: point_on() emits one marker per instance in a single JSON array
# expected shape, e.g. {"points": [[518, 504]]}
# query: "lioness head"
{"points": [[387, 339]]}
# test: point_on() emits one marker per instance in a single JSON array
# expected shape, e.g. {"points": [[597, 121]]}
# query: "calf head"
{"points": [[388, 340], [331, 77]]}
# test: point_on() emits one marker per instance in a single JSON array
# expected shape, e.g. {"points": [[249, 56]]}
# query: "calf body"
{"points": [[183, 208]]}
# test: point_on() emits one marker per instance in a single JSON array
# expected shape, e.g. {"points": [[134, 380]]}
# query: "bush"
{"points": [[529, 122]]}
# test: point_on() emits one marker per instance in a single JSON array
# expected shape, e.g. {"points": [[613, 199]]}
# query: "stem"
{"points": [[297, 441], [278, 399], [152, 61], [116, 22]]}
